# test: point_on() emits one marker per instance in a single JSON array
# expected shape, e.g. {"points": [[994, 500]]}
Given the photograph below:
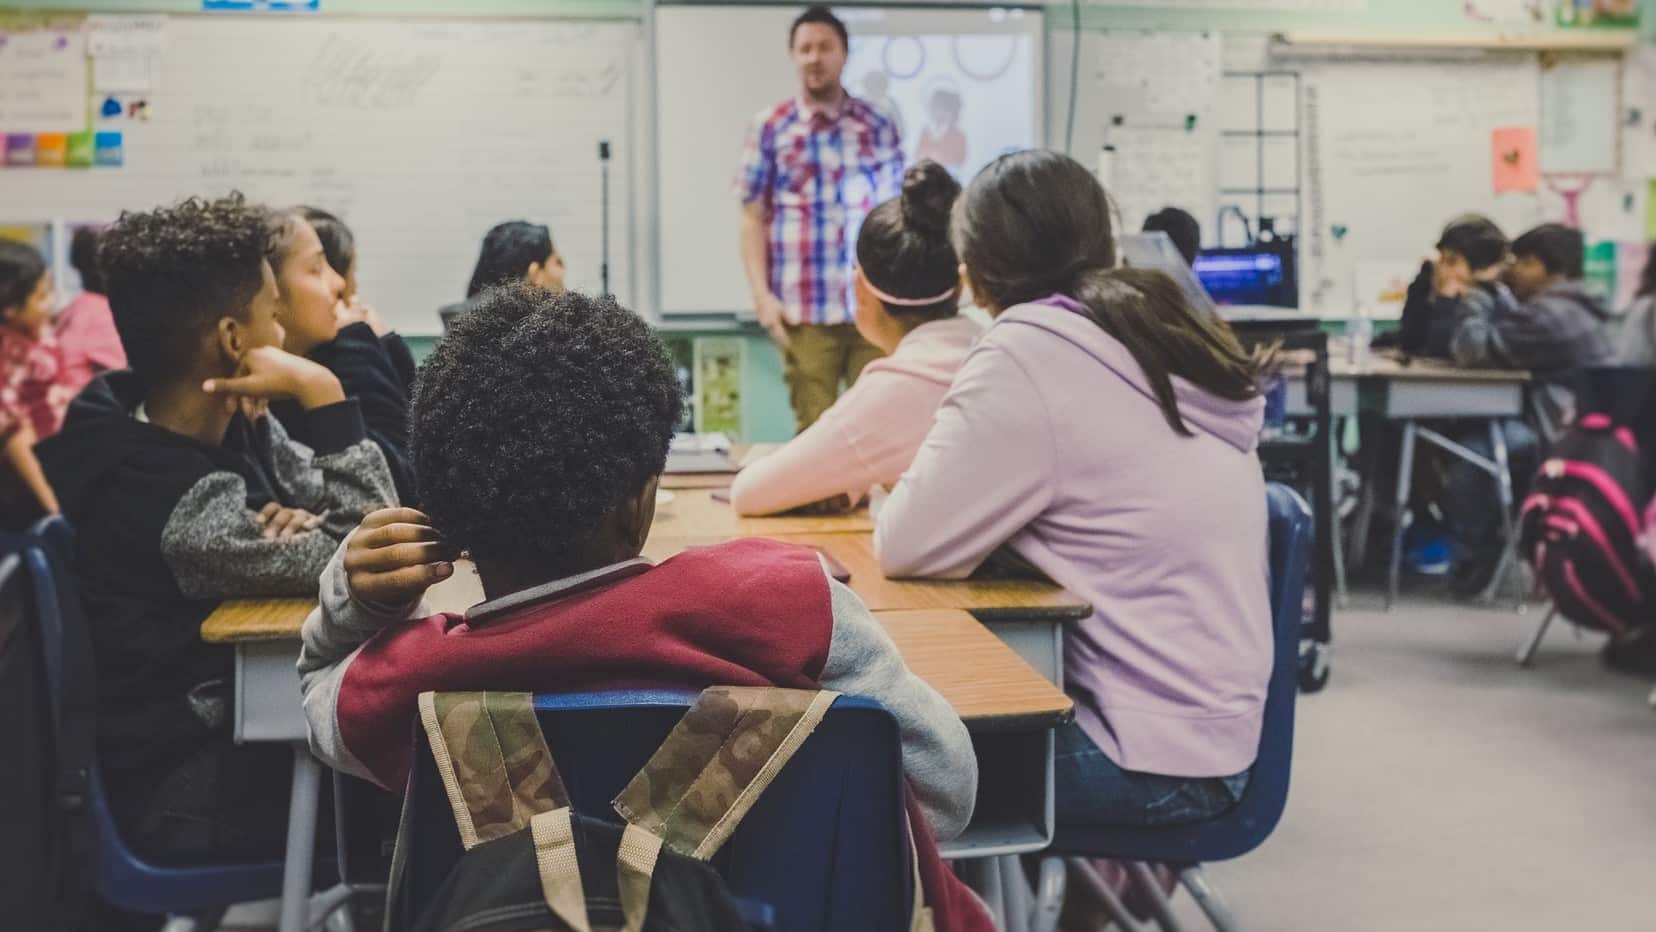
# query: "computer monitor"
{"points": [[1256, 275]]}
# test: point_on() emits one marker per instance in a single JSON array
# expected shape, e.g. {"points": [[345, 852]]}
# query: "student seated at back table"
{"points": [[179, 501], [1466, 274], [908, 296], [512, 251], [1104, 430], [1183, 229], [540, 430], [319, 325], [34, 392], [1556, 326], [86, 327]]}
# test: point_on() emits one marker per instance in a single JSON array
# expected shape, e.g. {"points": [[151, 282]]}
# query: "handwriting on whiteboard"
{"points": [[347, 75]]}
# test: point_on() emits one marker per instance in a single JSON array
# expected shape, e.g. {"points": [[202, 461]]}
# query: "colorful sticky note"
{"points": [[20, 149], [108, 150], [1650, 212], [1514, 165], [82, 149], [52, 150]]}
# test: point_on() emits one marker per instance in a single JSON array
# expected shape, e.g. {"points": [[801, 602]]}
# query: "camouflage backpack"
{"points": [[532, 863]]}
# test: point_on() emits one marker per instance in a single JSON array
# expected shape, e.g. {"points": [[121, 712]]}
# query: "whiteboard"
{"points": [[421, 134], [718, 66], [1396, 150]]}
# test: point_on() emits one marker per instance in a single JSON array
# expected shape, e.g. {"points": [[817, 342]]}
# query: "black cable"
{"points": [[1075, 74]]}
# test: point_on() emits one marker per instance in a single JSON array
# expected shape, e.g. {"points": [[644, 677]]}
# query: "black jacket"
{"points": [[165, 530], [370, 371]]}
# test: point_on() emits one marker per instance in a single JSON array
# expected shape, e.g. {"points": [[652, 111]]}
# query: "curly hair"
{"points": [[173, 272], [535, 418]]}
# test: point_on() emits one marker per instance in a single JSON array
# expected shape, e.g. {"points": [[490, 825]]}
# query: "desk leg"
{"points": [[1338, 546], [305, 800], [1503, 488], [1015, 893], [1400, 522]]}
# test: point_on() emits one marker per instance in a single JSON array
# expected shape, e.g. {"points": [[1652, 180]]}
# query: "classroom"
{"points": [[493, 465]]}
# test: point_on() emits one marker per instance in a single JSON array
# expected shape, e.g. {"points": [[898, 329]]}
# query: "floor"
{"points": [[1439, 787]]}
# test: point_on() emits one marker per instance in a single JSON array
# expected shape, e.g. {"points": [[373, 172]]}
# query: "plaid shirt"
{"points": [[818, 173]]}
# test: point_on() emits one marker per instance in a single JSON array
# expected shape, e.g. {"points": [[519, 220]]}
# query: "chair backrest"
{"points": [[1252, 820], [120, 876], [825, 847], [25, 775]]}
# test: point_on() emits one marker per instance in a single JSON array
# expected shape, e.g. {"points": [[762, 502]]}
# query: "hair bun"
{"points": [[929, 193]]}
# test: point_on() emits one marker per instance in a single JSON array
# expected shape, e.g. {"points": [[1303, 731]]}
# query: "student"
{"points": [[1181, 228], [540, 430], [179, 501], [318, 326], [1104, 431], [908, 295], [1636, 336], [1558, 325], [1471, 257], [85, 327], [512, 251], [33, 390], [339, 247]]}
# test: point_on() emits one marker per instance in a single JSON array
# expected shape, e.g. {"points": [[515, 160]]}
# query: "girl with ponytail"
{"points": [[908, 291], [1103, 430]]}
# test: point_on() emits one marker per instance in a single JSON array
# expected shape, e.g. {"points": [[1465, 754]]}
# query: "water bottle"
{"points": [[1360, 338]]}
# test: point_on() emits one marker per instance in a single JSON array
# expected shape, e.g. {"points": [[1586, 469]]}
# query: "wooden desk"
{"points": [[693, 514], [989, 686]]}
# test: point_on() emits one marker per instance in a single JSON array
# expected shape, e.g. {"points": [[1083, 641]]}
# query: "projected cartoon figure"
{"points": [[876, 89], [942, 139]]}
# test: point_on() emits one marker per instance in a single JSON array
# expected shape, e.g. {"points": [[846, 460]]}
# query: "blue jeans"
{"points": [[1094, 790]]}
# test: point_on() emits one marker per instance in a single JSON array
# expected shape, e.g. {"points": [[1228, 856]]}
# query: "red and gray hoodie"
{"points": [[746, 613]]}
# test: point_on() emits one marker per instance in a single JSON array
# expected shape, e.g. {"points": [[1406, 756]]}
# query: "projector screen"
{"points": [[964, 85]]}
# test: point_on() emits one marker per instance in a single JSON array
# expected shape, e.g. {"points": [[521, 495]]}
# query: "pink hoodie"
{"points": [[1050, 440], [869, 436], [86, 335]]}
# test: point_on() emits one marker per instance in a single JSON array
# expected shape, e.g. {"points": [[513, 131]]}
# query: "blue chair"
{"points": [[825, 847], [195, 898], [1244, 828]]}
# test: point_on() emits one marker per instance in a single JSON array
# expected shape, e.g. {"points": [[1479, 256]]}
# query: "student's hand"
{"points": [[1450, 279], [282, 523], [356, 312], [269, 374], [771, 315], [394, 556]]}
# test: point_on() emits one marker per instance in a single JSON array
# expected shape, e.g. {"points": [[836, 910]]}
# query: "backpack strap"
{"points": [[706, 776], [493, 760]]}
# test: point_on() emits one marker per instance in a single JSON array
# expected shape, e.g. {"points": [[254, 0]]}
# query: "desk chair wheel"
{"points": [[1315, 666]]}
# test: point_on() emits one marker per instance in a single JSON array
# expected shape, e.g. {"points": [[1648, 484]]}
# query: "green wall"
{"points": [[1406, 15]]}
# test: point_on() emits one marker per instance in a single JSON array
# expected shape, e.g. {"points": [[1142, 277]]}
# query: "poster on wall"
{"points": [[1584, 14]]}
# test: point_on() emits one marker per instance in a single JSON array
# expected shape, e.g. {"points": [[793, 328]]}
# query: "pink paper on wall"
{"points": [[1514, 165]]}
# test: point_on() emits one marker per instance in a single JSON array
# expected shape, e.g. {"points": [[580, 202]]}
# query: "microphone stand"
{"points": [[604, 170]]}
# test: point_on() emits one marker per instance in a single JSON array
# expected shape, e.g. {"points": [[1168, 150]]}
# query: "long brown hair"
{"points": [[1037, 223]]}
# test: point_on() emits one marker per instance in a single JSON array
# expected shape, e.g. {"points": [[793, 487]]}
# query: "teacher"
{"points": [[813, 167]]}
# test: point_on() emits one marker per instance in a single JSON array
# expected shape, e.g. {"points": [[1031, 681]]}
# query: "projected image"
{"points": [[960, 99]]}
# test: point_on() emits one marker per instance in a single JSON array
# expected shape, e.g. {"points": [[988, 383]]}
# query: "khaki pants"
{"points": [[817, 360]]}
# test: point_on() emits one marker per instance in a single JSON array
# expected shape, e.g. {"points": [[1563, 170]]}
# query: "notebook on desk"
{"points": [[692, 454]]}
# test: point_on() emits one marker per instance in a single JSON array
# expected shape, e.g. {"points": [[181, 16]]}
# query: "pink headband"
{"points": [[907, 302]]}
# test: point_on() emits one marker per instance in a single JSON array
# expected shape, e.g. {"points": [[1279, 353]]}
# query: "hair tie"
{"points": [[908, 302]]}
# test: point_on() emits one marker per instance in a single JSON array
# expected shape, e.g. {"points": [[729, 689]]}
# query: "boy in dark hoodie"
{"points": [[1465, 277], [1556, 326], [182, 494]]}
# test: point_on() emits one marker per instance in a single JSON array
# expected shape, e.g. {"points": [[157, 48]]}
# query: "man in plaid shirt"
{"points": [[814, 166]]}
